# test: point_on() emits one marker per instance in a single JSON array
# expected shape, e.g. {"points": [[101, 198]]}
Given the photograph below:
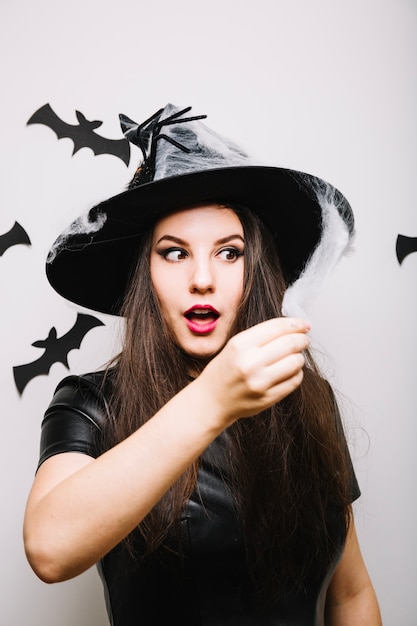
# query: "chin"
{"points": [[202, 355]]}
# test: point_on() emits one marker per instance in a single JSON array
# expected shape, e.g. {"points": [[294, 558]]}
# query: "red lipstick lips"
{"points": [[201, 318]]}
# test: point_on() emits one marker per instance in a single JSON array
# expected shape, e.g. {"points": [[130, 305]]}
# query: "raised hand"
{"points": [[257, 367]]}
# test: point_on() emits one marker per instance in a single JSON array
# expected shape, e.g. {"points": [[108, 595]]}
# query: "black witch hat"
{"points": [[186, 163]]}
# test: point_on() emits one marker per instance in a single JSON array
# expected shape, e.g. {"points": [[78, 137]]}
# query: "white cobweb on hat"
{"points": [[83, 225], [336, 241], [209, 149]]}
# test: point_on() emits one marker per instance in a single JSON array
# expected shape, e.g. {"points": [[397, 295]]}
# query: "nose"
{"points": [[202, 278]]}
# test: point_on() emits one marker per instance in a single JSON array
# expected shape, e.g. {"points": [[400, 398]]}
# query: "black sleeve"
{"points": [[74, 420]]}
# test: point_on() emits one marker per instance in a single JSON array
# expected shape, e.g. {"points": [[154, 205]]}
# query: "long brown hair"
{"points": [[288, 466]]}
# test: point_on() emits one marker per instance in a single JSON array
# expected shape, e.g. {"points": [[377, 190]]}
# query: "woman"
{"points": [[205, 470]]}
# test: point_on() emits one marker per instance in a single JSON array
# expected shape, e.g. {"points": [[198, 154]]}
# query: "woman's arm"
{"points": [[79, 508], [351, 598]]}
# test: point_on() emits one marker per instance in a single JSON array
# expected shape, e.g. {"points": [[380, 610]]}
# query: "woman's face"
{"points": [[197, 269]]}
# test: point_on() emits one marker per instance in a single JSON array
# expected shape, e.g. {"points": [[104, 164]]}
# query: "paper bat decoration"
{"points": [[405, 246], [16, 235], [56, 350], [82, 134]]}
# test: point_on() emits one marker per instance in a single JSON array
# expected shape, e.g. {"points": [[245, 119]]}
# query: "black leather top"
{"points": [[207, 584]]}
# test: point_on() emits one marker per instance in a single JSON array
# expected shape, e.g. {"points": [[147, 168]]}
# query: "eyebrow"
{"points": [[182, 242]]}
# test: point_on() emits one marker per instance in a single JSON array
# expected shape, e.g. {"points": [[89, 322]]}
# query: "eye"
{"points": [[173, 254], [230, 254]]}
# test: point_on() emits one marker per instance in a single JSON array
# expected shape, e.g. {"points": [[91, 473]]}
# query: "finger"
{"points": [[264, 382], [279, 382], [267, 331], [286, 371], [284, 388], [283, 346]]}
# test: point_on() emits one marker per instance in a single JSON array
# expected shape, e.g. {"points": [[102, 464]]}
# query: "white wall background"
{"points": [[325, 86]]}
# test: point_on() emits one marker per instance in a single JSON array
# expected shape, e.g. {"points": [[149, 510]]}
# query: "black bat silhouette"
{"points": [[82, 134], [56, 350], [405, 246], [15, 236]]}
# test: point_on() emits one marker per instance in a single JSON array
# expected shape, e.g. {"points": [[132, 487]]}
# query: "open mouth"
{"points": [[202, 319], [202, 315]]}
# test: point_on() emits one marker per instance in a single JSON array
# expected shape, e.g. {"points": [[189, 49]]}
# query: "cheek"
{"points": [[165, 299], [166, 292], [238, 299], [234, 290]]}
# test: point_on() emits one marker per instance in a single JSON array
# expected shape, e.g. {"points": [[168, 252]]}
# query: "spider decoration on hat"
{"points": [[146, 137]]}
